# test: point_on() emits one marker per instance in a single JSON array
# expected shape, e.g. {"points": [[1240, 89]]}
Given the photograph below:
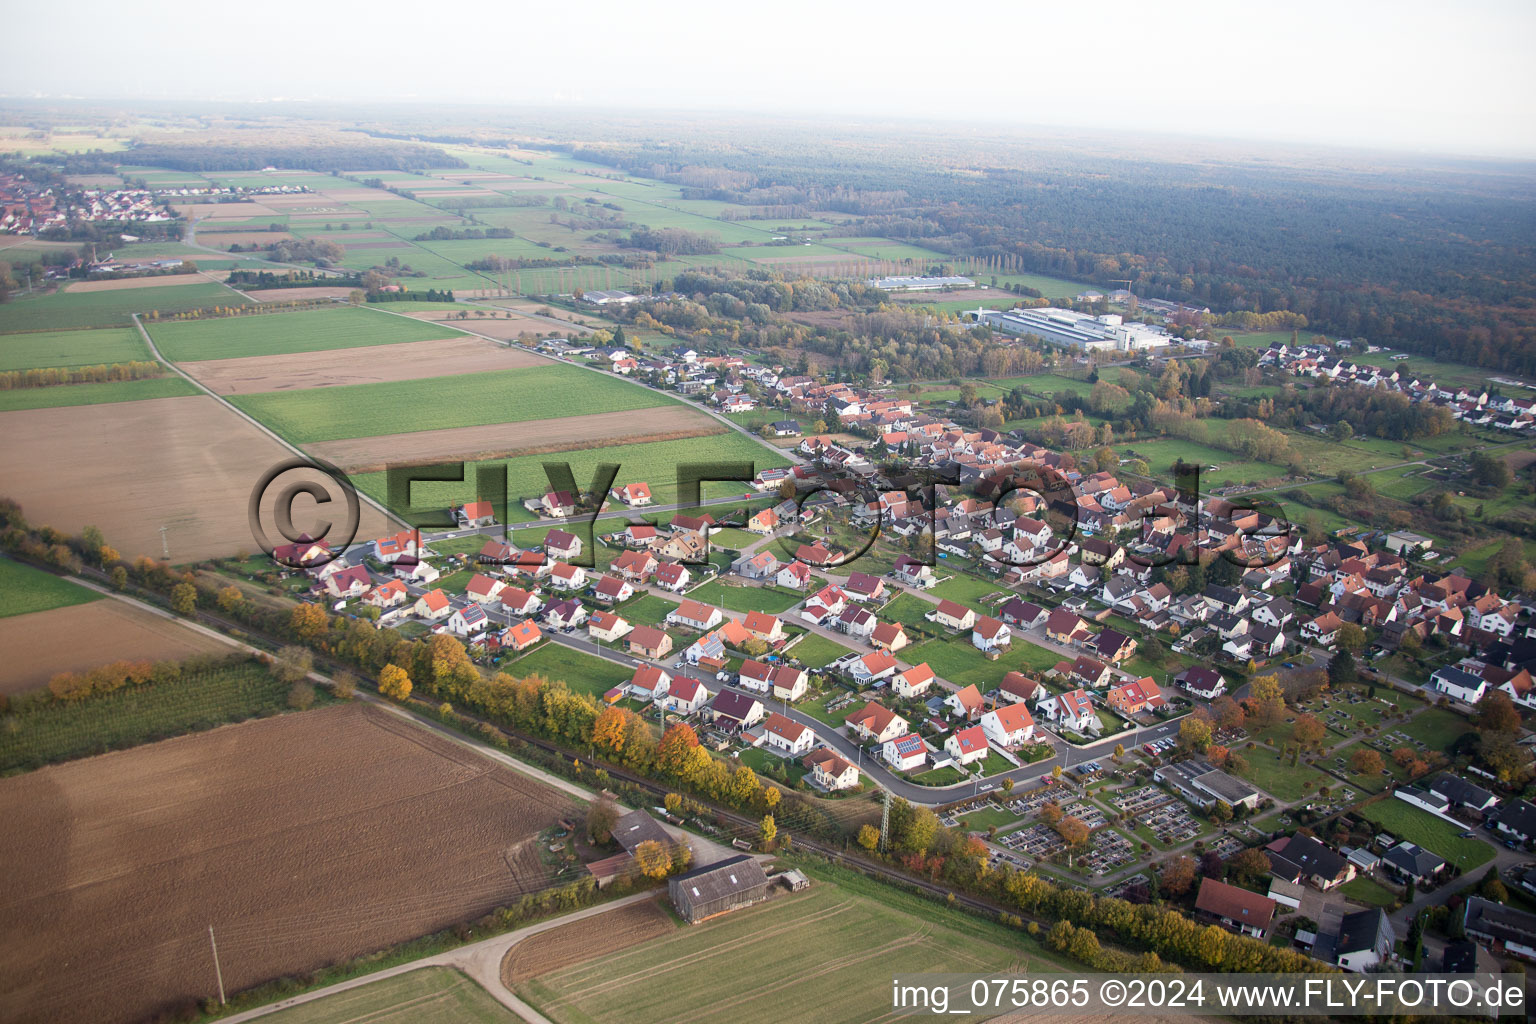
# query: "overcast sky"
{"points": [[1426, 76]]}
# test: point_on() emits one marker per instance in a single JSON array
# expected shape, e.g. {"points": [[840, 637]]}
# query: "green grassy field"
{"points": [[1430, 832], [434, 403], [1368, 891], [956, 660], [965, 589], [271, 334], [744, 599], [653, 461], [25, 589], [647, 610], [791, 944], [1273, 774], [431, 995], [583, 673], [817, 651], [1437, 728], [66, 311], [139, 714], [1162, 454], [95, 394], [71, 348]]}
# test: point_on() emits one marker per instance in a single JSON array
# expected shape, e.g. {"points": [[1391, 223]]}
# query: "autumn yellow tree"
{"points": [[610, 730], [768, 829], [229, 598], [309, 621], [394, 683], [653, 859], [869, 837]]}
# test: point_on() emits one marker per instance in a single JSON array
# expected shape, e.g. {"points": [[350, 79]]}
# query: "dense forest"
{"points": [[1437, 259]]}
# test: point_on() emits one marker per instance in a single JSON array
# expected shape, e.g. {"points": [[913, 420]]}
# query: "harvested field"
{"points": [[332, 367], [42, 644], [305, 839], [225, 239], [378, 245], [580, 941], [128, 283], [286, 294], [499, 440], [427, 995], [185, 463], [197, 211]]}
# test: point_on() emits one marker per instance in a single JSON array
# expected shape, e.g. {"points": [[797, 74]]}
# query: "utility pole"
{"points": [[165, 548], [885, 823], [218, 972]]}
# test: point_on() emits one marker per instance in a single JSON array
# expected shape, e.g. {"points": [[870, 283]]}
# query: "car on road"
{"points": [[1288, 664], [1513, 844], [1468, 835]]}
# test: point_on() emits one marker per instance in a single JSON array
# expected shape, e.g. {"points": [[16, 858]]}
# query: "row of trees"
{"points": [[42, 377]]}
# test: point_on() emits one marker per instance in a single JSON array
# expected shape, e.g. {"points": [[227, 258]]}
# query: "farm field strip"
{"points": [[24, 589], [546, 391], [71, 348], [329, 368], [270, 334], [62, 396]]}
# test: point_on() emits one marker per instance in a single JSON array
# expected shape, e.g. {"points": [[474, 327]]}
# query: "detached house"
{"points": [[965, 703], [611, 590], [649, 642], [787, 737], [633, 495], [684, 695], [790, 683], [905, 753], [387, 595], [518, 601], [468, 621], [476, 513], [673, 576], [607, 627], [694, 615], [351, 582], [890, 635], [953, 616], [433, 605], [876, 722], [990, 634], [1132, 698], [1064, 627], [913, 682], [831, 772], [560, 544], [1009, 726], [967, 745], [483, 589], [873, 667], [1072, 710], [563, 576]]}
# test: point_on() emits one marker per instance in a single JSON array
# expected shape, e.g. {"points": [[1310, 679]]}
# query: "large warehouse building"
{"points": [[718, 888], [1076, 330]]}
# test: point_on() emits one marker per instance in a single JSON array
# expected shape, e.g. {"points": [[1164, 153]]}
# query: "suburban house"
{"points": [[633, 494], [1240, 910], [1459, 684], [1461, 794], [484, 589], [649, 682], [612, 590], [607, 627], [953, 616], [684, 695], [1113, 646], [876, 722], [433, 605], [831, 772], [1132, 698], [562, 545], [734, 711], [861, 586], [794, 576], [1410, 861], [754, 675], [990, 634], [872, 667], [764, 627], [565, 614], [905, 753], [649, 642], [636, 566], [856, 621], [913, 682], [518, 601], [1064, 627], [521, 635], [387, 595], [1507, 929], [1201, 681], [790, 683], [476, 513], [353, 582], [1301, 858], [1072, 710], [1021, 613], [913, 573], [763, 522], [967, 745], [694, 615], [787, 737], [673, 576], [1515, 819], [1018, 688], [558, 504], [965, 703], [892, 636], [1009, 726], [468, 621], [392, 549], [761, 566], [1365, 939], [563, 576]]}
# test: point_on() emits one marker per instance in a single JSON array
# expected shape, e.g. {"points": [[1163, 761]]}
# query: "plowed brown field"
{"points": [[292, 294], [499, 440], [131, 283], [584, 940], [406, 361], [41, 644], [188, 464], [303, 839]]}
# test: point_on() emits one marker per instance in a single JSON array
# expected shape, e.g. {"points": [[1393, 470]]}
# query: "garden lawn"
{"points": [[274, 334], [966, 589], [990, 816], [71, 348], [1368, 891], [744, 599], [61, 395], [24, 589], [1430, 832], [816, 651], [583, 673], [1275, 776], [647, 610], [1436, 728], [956, 660]]}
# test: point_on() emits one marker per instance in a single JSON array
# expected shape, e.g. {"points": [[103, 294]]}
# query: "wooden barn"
{"points": [[718, 888]]}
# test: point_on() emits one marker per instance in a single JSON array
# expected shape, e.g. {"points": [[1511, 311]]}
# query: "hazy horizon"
{"points": [[1400, 76]]}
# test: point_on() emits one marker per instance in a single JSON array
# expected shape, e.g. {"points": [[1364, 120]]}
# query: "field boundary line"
{"points": [[783, 453], [473, 961], [155, 351]]}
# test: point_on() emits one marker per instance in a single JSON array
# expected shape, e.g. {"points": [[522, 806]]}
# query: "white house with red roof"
{"points": [[831, 771], [483, 589], [518, 601], [468, 621], [684, 695], [558, 504], [639, 535], [636, 566], [387, 595], [1009, 726], [433, 605], [650, 682], [391, 549], [563, 576], [905, 753], [787, 737], [673, 576], [967, 745], [611, 590], [794, 576], [856, 621], [561, 614], [560, 544], [913, 573], [1071, 710], [353, 582], [790, 683], [873, 667], [695, 615], [1142, 695], [476, 513], [633, 495], [990, 634], [876, 722], [913, 682], [953, 616], [861, 586], [755, 675], [607, 627]]}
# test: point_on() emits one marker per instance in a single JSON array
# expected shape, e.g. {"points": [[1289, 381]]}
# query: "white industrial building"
{"points": [[920, 284], [1076, 330]]}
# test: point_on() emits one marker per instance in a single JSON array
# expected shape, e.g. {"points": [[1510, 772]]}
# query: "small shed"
{"points": [[718, 888], [793, 880]]}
